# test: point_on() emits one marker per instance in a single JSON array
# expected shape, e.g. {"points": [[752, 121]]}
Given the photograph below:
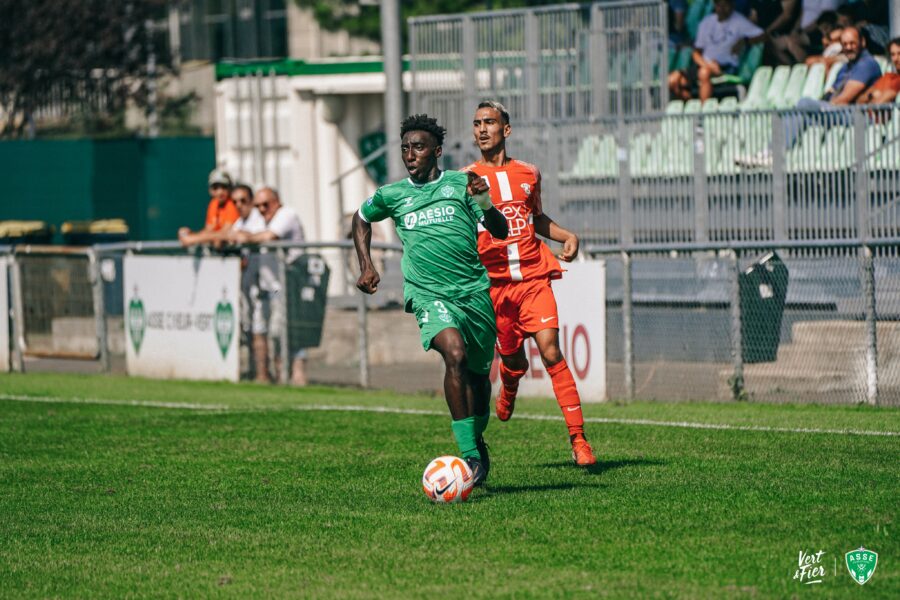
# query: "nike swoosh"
{"points": [[545, 319], [440, 491], [573, 408]]}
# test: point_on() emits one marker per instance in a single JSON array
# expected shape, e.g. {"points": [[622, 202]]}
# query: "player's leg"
{"points": [[539, 316], [478, 324], [509, 344]]}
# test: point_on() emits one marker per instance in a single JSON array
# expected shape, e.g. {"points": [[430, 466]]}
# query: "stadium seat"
{"points": [[675, 107], [805, 156], [729, 104], [832, 75], [693, 106], [794, 89], [883, 62], [710, 106], [777, 85], [837, 149], [695, 13], [756, 93], [815, 82]]}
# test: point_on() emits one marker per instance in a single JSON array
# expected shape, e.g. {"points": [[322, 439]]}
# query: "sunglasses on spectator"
{"points": [[242, 200]]}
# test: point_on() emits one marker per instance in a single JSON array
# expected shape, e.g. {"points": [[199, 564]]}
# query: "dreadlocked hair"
{"points": [[423, 123]]}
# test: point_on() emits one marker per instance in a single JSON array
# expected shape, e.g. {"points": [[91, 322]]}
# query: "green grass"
{"points": [[259, 499]]}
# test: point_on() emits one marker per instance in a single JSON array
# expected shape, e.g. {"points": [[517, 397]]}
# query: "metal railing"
{"points": [[569, 61], [746, 320], [779, 175]]}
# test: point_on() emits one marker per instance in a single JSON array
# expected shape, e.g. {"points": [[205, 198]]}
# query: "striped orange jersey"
{"points": [[516, 192]]}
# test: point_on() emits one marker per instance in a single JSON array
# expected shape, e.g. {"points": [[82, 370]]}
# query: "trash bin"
{"points": [[307, 285], [763, 290], [25, 232], [88, 233]]}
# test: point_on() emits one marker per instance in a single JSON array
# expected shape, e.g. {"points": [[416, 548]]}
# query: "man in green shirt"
{"points": [[437, 215]]}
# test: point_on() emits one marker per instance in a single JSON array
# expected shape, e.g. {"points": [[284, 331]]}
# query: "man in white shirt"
{"points": [[719, 37], [281, 223]]}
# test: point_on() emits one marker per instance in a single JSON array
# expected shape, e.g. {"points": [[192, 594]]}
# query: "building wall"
{"points": [[307, 40]]}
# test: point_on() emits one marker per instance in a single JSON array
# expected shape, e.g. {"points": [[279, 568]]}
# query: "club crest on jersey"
{"points": [[447, 191], [526, 188]]}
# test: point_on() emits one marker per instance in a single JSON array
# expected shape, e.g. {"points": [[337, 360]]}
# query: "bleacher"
{"points": [[732, 127]]}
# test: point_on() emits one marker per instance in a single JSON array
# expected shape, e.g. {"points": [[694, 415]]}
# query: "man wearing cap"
{"points": [[220, 213]]}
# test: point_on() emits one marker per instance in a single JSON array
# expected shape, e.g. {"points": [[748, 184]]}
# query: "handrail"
{"points": [[740, 245]]}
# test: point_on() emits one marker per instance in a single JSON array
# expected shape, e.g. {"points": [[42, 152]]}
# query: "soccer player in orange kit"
{"points": [[521, 268]]}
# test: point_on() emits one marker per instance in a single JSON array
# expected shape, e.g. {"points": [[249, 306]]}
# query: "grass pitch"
{"points": [[109, 489]]}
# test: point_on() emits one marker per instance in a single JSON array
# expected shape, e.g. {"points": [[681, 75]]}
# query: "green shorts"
{"points": [[472, 315]]}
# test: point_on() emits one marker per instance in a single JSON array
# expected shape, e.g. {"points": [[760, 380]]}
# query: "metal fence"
{"points": [[684, 321], [712, 176], [569, 61]]}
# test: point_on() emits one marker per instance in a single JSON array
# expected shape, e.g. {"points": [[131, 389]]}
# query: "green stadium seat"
{"points": [[815, 82], [794, 89], [874, 143], [695, 13], [756, 93], [693, 107], [729, 104], [837, 149], [884, 63], [750, 61], [777, 86], [805, 156], [832, 75], [675, 107], [710, 106]]}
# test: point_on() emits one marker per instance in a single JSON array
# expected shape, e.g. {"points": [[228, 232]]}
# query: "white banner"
{"points": [[581, 300], [182, 317], [4, 315]]}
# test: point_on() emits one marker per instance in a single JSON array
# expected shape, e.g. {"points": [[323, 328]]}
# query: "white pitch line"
{"points": [[100, 401], [646, 422], [436, 413]]}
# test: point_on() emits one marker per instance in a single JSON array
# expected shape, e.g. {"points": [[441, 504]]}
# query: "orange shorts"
{"points": [[522, 308]]}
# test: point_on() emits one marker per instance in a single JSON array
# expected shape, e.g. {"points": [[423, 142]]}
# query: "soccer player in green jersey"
{"points": [[437, 215]]}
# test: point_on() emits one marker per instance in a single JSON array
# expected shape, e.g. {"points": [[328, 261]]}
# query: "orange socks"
{"points": [[510, 379], [566, 396]]}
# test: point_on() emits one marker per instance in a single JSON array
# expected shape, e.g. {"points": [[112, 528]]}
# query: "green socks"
{"points": [[464, 432], [467, 431], [481, 423]]}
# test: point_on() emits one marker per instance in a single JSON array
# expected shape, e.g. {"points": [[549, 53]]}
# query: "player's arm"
{"points": [[548, 228], [494, 221], [362, 240]]}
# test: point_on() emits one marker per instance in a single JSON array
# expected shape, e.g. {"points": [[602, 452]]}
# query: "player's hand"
{"points": [[479, 190], [570, 249], [368, 281]]}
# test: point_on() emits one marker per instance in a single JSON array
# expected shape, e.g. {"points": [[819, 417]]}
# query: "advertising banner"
{"points": [[182, 317], [581, 300]]}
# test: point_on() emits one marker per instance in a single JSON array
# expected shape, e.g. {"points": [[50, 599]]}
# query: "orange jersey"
{"points": [[516, 192]]}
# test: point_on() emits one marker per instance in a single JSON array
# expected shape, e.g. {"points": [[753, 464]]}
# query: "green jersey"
{"points": [[437, 223]]}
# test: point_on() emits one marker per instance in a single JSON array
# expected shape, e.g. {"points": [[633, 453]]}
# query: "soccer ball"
{"points": [[447, 479]]}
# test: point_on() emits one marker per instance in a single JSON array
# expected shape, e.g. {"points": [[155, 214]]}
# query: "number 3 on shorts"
{"points": [[440, 308]]}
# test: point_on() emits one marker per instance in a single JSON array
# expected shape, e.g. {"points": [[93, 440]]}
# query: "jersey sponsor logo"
{"points": [[447, 191], [516, 219], [441, 214]]}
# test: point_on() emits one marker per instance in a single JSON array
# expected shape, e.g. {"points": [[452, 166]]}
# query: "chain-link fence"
{"points": [[808, 322]]}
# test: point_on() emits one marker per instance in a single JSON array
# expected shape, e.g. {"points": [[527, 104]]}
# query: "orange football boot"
{"points": [[582, 453]]}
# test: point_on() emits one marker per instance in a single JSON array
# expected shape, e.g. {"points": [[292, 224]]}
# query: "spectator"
{"points": [[858, 15], [885, 90], [282, 223], [220, 213], [860, 72], [715, 50], [678, 35], [832, 51], [795, 46], [773, 16], [251, 220]]}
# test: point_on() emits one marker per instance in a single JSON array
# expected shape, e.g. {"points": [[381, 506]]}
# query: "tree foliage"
{"points": [[364, 21], [86, 58]]}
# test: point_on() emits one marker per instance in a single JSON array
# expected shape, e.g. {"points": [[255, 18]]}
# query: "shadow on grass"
{"points": [[491, 490], [607, 465]]}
